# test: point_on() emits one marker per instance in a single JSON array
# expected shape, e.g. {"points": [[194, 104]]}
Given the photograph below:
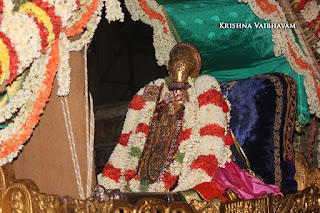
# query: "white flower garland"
{"points": [[24, 34], [87, 36], [64, 9], [281, 37], [191, 148], [29, 86], [63, 74], [76, 15], [7, 8], [310, 11], [114, 11], [163, 43], [26, 109]]}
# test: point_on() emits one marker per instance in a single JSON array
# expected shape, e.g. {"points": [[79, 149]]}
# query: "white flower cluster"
{"points": [[63, 74], [87, 36], [281, 37], [162, 42], [310, 11], [64, 9], [24, 34], [7, 8], [114, 11]]}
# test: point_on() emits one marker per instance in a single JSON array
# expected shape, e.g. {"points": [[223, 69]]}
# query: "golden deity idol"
{"points": [[162, 140]]}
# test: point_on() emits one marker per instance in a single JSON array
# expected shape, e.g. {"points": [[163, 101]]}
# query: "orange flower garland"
{"points": [[25, 132], [304, 65], [78, 27], [152, 14], [266, 7]]}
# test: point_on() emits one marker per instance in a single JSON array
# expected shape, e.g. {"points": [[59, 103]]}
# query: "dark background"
{"points": [[121, 60]]}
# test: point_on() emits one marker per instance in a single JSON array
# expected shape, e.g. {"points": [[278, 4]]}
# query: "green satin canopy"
{"points": [[231, 54]]}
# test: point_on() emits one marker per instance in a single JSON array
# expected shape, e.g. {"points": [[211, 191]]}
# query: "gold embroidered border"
{"points": [[277, 124], [291, 112]]}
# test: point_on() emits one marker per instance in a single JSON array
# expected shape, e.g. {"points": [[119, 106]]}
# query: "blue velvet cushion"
{"points": [[262, 120]]}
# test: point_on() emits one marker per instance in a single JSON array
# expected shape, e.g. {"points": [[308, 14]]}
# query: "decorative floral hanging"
{"points": [[286, 45], [37, 34]]}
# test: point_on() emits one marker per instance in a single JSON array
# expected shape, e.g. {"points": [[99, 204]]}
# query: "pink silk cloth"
{"points": [[243, 184]]}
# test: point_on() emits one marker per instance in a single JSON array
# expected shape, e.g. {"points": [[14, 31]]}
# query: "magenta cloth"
{"points": [[244, 185]]}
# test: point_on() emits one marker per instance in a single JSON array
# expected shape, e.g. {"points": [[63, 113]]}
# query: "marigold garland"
{"points": [[82, 23], [25, 132], [152, 14], [304, 65], [267, 7], [281, 37], [19, 47]]}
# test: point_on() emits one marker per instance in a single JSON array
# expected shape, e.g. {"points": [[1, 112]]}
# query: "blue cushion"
{"points": [[262, 120]]}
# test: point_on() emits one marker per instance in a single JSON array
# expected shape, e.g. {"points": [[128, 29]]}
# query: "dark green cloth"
{"points": [[231, 54]]}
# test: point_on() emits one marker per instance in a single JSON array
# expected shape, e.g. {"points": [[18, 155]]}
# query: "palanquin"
{"points": [[270, 77]]}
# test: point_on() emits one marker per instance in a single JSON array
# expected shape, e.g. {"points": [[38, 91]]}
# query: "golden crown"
{"points": [[185, 61]]}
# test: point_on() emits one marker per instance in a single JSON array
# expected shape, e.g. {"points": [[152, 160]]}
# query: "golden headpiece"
{"points": [[184, 61]]}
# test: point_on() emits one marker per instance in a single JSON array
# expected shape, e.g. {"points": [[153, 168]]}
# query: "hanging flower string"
{"points": [[82, 23], [10, 52], [304, 65], [153, 14], [150, 12]]}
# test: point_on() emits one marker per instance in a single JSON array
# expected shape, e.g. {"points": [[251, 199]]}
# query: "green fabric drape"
{"points": [[231, 54]]}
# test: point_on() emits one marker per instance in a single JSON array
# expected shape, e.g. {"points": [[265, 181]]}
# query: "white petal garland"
{"points": [[24, 33], [163, 41], [114, 11], [310, 11], [125, 157]]}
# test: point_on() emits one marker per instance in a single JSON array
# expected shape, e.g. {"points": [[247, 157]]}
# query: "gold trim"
{"points": [[190, 195], [23, 196]]}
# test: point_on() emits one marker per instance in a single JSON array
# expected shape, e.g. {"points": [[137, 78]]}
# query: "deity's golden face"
{"points": [[184, 61]]}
